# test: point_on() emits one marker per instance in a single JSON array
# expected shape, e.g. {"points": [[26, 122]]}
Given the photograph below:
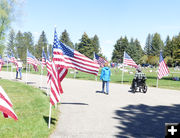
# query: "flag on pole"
{"points": [[67, 57], [32, 60], [6, 105], [129, 61], [43, 59], [163, 69], [101, 61]]}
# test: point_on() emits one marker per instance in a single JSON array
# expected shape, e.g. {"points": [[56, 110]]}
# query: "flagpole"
{"points": [[11, 72], [41, 67], [7, 66], [157, 83], [49, 124], [26, 71], [123, 70]]}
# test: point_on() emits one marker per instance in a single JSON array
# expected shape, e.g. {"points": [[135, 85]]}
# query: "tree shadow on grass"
{"points": [[146, 121], [53, 120]]}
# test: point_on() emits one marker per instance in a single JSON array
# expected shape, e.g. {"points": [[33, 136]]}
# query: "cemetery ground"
{"points": [[31, 106], [86, 112]]}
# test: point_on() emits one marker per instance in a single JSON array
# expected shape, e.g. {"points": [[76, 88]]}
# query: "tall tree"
{"points": [[138, 52], [64, 38], [119, 48], [6, 9], [85, 46], [11, 42], [95, 43], [148, 45], [168, 48], [42, 42], [176, 51], [157, 44], [19, 46]]}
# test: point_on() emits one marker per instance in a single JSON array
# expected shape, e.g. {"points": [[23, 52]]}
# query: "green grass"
{"points": [[31, 106], [116, 77]]}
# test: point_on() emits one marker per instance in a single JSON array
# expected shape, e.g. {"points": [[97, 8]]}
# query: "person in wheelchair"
{"points": [[139, 81]]}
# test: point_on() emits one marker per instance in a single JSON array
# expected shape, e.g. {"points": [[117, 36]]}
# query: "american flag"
{"points": [[43, 59], [129, 61], [12, 59], [163, 69], [55, 85], [66, 57], [32, 60], [6, 105], [101, 61]]}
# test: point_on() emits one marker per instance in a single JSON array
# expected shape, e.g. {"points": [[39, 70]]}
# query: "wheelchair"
{"points": [[139, 84]]}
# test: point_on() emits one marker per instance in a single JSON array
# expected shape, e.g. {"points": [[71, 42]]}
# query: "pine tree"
{"points": [[64, 38], [148, 46], [95, 43], [42, 42], [119, 48], [157, 44], [19, 46], [85, 46], [11, 43], [168, 49]]}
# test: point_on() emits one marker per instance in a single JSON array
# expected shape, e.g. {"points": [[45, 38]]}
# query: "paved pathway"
{"points": [[87, 113]]}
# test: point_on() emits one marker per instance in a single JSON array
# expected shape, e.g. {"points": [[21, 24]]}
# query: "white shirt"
{"points": [[19, 64]]}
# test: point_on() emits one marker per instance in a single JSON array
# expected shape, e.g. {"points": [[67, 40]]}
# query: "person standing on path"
{"points": [[105, 77], [19, 68]]}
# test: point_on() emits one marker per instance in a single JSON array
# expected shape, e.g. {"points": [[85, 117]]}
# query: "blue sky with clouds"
{"points": [[109, 19]]}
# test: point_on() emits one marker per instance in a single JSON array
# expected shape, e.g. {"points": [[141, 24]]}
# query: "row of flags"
{"points": [[162, 70]]}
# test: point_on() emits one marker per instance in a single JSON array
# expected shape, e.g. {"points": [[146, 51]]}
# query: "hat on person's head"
{"points": [[139, 69], [18, 59]]}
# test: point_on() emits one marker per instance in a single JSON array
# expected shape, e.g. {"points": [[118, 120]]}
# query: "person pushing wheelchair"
{"points": [[139, 81]]}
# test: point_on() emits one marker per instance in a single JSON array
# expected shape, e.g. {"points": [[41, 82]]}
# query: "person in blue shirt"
{"points": [[105, 77]]}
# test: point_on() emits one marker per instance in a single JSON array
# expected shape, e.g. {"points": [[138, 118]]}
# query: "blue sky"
{"points": [[109, 19]]}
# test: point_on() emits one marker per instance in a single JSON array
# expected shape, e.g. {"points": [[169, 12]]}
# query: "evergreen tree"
{"points": [[138, 52], [19, 46], [168, 49], [42, 42], [95, 43], [157, 44], [11, 43], [148, 46], [176, 53], [64, 38], [119, 48], [85, 46]]}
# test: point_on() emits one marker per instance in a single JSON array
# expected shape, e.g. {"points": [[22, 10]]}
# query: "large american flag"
{"points": [[101, 61], [129, 61], [6, 105], [163, 69], [32, 60], [67, 57]]}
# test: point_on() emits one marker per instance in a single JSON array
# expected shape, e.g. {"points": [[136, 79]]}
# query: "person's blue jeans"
{"points": [[19, 70], [107, 86]]}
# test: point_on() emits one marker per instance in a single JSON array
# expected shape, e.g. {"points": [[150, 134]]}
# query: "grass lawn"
{"points": [[116, 77], [31, 106]]}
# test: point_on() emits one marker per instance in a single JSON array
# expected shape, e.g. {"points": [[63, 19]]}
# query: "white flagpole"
{"points": [[49, 124], [41, 68], [123, 70], [11, 72], [7, 66], [26, 71]]}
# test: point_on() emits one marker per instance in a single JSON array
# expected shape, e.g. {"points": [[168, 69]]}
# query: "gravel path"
{"points": [[88, 113]]}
